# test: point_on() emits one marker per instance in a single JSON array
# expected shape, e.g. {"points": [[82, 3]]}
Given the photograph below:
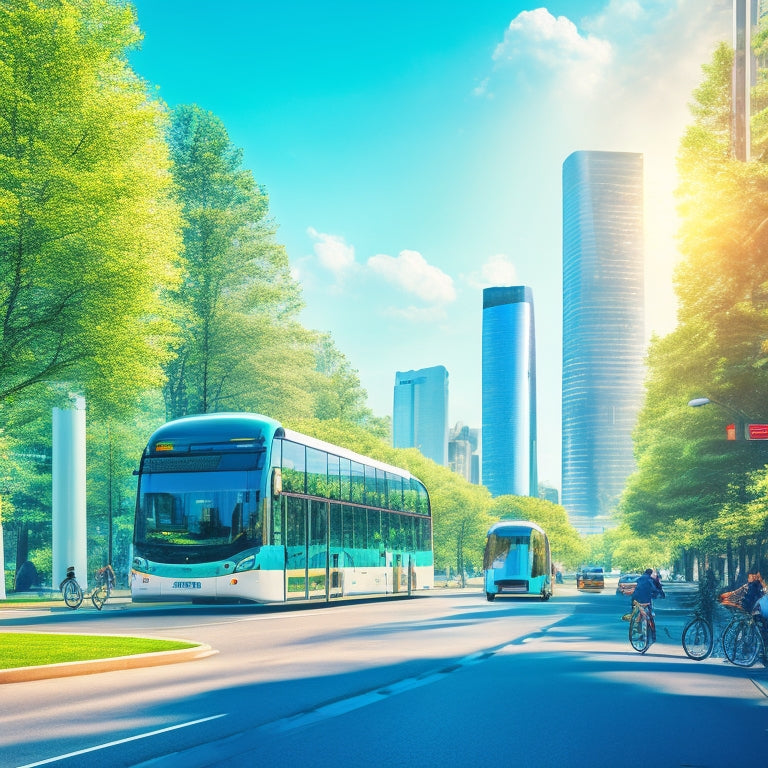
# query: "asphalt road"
{"points": [[446, 679]]}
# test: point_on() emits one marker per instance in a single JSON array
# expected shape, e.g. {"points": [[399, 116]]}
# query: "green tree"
{"points": [[240, 347], [692, 485], [339, 394], [88, 228]]}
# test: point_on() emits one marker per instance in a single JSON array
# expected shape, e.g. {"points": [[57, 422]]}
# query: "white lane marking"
{"points": [[121, 741]]}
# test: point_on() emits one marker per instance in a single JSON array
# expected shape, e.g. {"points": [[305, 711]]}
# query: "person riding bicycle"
{"points": [[648, 586]]}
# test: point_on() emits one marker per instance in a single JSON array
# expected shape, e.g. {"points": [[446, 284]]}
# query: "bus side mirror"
{"points": [[277, 482]]}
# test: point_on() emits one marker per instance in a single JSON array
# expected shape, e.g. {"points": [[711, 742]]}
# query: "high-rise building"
{"points": [[420, 412], [463, 443], [509, 462], [603, 330]]}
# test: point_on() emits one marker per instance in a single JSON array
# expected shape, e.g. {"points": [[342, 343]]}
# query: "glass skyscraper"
{"points": [[420, 412], [603, 330], [509, 461]]}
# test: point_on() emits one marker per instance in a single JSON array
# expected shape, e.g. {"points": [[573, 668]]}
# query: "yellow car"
{"points": [[590, 579]]}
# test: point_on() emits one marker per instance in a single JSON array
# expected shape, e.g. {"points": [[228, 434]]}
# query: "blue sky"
{"points": [[412, 152]]}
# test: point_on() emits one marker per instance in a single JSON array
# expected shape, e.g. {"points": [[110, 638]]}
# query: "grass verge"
{"points": [[32, 649]]}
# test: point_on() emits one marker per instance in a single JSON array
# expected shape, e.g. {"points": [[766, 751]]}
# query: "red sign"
{"points": [[730, 432], [758, 431]]}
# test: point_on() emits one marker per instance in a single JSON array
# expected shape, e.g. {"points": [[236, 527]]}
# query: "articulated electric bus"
{"points": [[517, 560], [233, 507]]}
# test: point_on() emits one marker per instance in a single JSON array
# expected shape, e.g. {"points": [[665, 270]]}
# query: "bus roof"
{"points": [[510, 527], [253, 426]]}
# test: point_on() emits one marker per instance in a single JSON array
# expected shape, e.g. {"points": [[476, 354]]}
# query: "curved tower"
{"points": [[509, 462], [603, 330]]}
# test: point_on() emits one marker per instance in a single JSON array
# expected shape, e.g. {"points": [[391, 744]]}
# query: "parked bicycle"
{"points": [[743, 639], [105, 583], [73, 592], [698, 636]]}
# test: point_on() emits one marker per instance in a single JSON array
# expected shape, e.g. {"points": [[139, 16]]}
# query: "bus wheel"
{"points": [[545, 595], [490, 596]]}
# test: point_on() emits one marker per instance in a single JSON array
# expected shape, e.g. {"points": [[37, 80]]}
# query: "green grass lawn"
{"points": [[28, 649]]}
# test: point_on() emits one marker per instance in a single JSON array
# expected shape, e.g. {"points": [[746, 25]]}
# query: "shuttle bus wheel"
{"points": [[490, 596]]}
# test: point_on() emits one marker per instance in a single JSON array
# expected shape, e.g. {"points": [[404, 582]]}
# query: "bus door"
{"points": [[296, 557], [318, 575]]}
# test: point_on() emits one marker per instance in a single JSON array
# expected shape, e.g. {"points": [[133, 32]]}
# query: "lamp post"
{"points": [[739, 425]]}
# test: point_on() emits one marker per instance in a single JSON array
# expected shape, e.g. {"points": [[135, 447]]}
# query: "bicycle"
{"points": [[642, 627], [743, 640], [71, 591], [105, 582], [698, 636]]}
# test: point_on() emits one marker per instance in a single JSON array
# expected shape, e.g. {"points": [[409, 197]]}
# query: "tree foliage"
{"points": [[693, 488], [88, 228], [237, 303]]}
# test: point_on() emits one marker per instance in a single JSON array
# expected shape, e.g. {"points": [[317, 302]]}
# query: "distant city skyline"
{"points": [[413, 156], [603, 330]]}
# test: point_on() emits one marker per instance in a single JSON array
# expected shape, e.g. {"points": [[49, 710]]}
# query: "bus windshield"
{"points": [[207, 515]]}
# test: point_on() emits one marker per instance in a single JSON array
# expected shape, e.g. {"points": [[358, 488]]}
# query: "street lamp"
{"points": [[739, 426]]}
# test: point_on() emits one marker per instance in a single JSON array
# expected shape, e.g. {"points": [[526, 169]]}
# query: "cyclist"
{"points": [[648, 586]]}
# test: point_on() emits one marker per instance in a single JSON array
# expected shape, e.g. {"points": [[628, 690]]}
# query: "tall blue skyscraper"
{"points": [[603, 330], [509, 460], [420, 412]]}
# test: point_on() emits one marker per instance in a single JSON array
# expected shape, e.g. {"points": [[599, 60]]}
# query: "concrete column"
{"points": [[68, 471]]}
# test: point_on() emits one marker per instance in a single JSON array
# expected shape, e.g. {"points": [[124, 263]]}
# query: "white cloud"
{"points": [[496, 271], [411, 272], [555, 44], [332, 251]]}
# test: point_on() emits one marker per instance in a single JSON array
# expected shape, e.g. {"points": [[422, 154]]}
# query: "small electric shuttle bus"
{"points": [[517, 560], [233, 507]]}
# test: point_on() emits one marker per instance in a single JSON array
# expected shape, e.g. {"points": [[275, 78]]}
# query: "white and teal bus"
{"points": [[517, 560], [234, 507]]}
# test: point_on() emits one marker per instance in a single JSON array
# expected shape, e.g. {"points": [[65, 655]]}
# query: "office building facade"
{"points": [[420, 412], [603, 330], [509, 458]]}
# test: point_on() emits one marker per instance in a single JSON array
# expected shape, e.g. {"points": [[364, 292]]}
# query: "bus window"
{"points": [[334, 487], [294, 466], [317, 473]]}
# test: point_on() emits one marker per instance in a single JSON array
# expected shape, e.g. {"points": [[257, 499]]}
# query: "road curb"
{"points": [[72, 668]]}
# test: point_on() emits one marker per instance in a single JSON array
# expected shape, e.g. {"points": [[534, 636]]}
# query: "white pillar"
{"points": [[68, 472]]}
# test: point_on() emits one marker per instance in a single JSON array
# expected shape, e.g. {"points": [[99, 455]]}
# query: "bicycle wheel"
{"points": [[639, 638], [73, 595], [729, 635], [697, 639], [99, 596], [747, 644]]}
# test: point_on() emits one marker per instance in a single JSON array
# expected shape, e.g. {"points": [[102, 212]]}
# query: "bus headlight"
{"points": [[246, 564], [140, 564]]}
